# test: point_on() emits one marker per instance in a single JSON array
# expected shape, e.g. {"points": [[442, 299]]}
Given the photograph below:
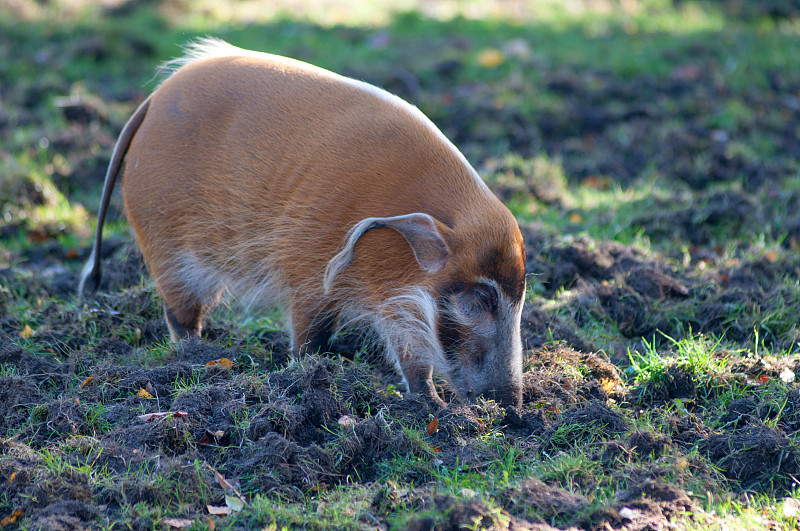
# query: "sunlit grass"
{"points": [[637, 15]]}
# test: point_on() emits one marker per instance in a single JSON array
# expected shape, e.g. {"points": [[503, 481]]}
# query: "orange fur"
{"points": [[248, 170]]}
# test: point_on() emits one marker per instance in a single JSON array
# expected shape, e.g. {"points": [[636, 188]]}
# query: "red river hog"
{"points": [[280, 183]]}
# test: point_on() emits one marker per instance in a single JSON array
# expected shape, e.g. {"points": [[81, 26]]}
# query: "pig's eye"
{"points": [[478, 300], [486, 297]]}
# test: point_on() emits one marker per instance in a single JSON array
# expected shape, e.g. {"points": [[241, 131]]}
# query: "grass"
{"points": [[654, 128]]}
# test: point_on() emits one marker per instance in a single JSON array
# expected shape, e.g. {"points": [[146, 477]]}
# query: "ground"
{"points": [[651, 153]]}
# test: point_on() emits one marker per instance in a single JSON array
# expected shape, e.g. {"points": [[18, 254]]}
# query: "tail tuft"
{"points": [[90, 276]]}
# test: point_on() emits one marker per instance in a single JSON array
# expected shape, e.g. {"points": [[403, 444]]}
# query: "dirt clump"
{"points": [[460, 514], [532, 499], [585, 424], [646, 444], [650, 282], [755, 456], [540, 327], [650, 504]]}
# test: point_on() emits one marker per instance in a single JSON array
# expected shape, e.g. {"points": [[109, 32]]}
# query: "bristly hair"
{"points": [[195, 50]]}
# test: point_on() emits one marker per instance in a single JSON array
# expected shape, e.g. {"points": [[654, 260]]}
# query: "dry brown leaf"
{"points": [[433, 426], [219, 510], [236, 503], [596, 182], [225, 363], [26, 332], [147, 417], [11, 518], [607, 384], [87, 381], [229, 486], [13, 475], [178, 523], [346, 420], [143, 393], [490, 58]]}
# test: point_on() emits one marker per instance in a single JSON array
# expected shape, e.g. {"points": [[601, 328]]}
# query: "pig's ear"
{"points": [[419, 230]]}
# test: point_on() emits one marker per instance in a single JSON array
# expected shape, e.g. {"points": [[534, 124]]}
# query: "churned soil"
{"points": [[76, 394]]}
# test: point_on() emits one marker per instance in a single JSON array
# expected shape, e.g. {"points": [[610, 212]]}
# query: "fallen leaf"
{"points": [[229, 486], [607, 384], [236, 503], [346, 420], [225, 363], [433, 426], [26, 332], [11, 518], [87, 381], [575, 218], [787, 375], [178, 523], [12, 476], [147, 417], [219, 510], [762, 378], [210, 523], [39, 236], [143, 393], [490, 58], [771, 256], [596, 182], [71, 253], [629, 514]]}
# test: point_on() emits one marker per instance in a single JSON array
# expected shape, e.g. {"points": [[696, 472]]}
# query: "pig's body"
{"points": [[255, 175]]}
